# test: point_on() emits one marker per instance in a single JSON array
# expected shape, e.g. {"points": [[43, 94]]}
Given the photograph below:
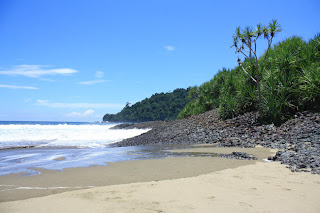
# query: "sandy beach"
{"points": [[175, 184]]}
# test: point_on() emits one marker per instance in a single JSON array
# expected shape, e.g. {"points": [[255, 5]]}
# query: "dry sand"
{"points": [[15, 187], [257, 187]]}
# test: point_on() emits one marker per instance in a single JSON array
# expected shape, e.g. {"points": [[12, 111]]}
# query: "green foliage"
{"points": [[309, 88], [246, 89], [163, 106], [314, 50], [205, 97], [228, 105], [245, 42], [277, 90], [290, 82], [192, 108]]}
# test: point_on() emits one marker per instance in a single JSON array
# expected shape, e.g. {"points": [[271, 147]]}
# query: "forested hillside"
{"points": [[290, 82], [162, 106]]}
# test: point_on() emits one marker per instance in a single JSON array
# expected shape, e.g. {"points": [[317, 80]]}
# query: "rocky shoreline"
{"points": [[298, 140]]}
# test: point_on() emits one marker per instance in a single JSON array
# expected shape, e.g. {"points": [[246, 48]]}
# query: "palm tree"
{"points": [[245, 42]]}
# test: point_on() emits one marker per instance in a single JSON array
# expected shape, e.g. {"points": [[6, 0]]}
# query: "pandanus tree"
{"points": [[245, 42]]}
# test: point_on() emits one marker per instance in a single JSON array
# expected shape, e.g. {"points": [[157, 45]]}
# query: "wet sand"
{"points": [[18, 187], [174, 184]]}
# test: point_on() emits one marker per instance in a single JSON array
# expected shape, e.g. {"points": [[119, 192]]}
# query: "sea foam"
{"points": [[81, 136]]}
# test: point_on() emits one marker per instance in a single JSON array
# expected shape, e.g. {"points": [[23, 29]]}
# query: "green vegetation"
{"points": [[289, 82], [163, 106], [245, 42], [281, 82]]}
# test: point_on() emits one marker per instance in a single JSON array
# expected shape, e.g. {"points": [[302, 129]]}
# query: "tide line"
{"points": [[45, 188]]}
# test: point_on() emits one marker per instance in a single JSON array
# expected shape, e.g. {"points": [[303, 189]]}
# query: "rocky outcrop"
{"points": [[298, 140]]}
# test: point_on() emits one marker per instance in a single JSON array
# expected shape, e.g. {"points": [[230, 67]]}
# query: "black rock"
{"points": [[298, 139]]}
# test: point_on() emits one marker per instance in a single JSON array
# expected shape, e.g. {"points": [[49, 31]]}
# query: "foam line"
{"points": [[82, 136]]}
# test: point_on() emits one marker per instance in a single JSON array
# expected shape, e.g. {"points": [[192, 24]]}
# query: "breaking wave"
{"points": [[62, 135]]}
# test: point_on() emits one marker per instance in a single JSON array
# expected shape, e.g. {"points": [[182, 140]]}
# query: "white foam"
{"points": [[58, 187], [45, 188], [63, 135]]}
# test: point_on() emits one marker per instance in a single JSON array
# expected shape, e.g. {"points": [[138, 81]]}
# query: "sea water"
{"points": [[61, 134], [60, 145]]}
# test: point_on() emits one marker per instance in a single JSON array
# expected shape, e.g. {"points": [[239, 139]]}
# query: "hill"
{"points": [[290, 83], [159, 107]]}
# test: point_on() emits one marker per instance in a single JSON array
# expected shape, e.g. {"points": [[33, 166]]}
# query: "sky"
{"points": [[76, 60]]}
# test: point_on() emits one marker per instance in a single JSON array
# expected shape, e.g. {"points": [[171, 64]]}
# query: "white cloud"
{"points": [[79, 114], [169, 48], [88, 112], [43, 102], [92, 82], [78, 105], [17, 87], [36, 71], [99, 74]]}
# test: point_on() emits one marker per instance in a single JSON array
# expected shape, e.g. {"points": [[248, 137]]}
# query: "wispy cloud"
{"points": [[36, 71], [92, 82], [17, 87], [99, 74], [78, 105], [80, 114], [169, 48]]}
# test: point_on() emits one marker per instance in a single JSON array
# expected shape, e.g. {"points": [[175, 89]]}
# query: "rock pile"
{"points": [[298, 140]]}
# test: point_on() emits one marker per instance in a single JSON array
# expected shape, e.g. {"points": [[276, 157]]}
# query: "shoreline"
{"points": [[193, 179], [259, 187], [16, 187], [298, 139]]}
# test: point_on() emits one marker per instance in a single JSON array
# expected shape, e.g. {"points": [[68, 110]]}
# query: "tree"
{"points": [[160, 106], [128, 105], [245, 42]]}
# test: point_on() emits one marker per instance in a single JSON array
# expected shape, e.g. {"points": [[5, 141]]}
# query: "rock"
{"points": [[243, 155], [298, 139]]}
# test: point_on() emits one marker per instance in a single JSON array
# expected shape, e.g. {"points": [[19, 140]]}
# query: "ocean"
{"points": [[26, 146]]}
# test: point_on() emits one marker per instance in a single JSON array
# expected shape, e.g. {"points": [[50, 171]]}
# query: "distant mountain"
{"points": [[159, 107]]}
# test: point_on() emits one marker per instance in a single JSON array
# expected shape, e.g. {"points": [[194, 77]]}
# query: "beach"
{"points": [[160, 107], [172, 184], [199, 164]]}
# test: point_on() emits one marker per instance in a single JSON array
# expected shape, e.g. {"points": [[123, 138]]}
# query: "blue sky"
{"points": [[75, 60]]}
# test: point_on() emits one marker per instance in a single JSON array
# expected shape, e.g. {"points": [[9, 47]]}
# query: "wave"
{"points": [[62, 135], [11, 187]]}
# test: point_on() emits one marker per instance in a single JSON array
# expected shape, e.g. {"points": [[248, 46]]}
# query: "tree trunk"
{"points": [[259, 91]]}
